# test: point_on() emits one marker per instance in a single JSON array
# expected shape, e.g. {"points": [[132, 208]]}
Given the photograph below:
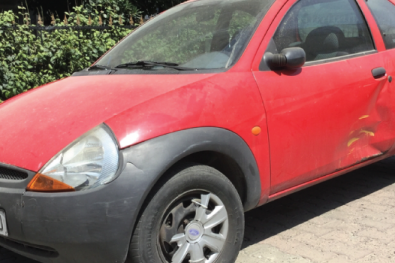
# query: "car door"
{"points": [[335, 111], [383, 12]]}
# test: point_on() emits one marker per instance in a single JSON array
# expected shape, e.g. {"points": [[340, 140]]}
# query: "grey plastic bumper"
{"points": [[88, 226]]}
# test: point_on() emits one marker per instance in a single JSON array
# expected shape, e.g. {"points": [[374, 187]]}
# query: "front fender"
{"points": [[154, 157]]}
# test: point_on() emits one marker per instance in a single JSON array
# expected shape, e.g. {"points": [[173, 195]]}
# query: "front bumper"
{"points": [[88, 226]]}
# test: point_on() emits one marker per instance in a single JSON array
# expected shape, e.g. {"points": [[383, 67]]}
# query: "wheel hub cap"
{"points": [[202, 238], [194, 232]]}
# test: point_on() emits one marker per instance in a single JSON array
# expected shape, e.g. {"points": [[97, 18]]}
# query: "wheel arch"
{"points": [[223, 163], [215, 147]]}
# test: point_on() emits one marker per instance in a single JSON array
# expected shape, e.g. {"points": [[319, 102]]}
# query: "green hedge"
{"points": [[30, 58]]}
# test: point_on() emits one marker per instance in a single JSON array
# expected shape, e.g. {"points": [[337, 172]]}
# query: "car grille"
{"points": [[10, 174]]}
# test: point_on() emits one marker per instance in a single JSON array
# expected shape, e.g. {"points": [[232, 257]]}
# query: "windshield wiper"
{"points": [[100, 67], [151, 64]]}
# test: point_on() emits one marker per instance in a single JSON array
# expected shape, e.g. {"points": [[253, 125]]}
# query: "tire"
{"points": [[196, 216]]}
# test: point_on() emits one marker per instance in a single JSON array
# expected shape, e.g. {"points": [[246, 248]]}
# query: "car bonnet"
{"points": [[36, 125]]}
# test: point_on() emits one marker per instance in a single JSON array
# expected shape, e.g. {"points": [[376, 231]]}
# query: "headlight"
{"points": [[88, 162]]}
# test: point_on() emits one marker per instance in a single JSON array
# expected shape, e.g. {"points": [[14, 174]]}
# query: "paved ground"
{"points": [[347, 219]]}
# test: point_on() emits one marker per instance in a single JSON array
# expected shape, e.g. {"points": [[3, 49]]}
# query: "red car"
{"points": [[211, 109]]}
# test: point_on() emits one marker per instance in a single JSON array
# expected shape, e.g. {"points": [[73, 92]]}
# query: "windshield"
{"points": [[205, 34]]}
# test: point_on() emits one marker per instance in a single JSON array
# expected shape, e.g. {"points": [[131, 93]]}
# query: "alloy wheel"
{"points": [[194, 229]]}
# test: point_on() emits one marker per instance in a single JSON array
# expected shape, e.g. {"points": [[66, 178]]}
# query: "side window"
{"points": [[384, 13], [324, 29]]}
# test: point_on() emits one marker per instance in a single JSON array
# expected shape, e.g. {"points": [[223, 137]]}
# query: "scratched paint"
{"points": [[351, 141], [364, 117], [367, 138]]}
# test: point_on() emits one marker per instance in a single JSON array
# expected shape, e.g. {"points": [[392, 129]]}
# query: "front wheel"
{"points": [[195, 217]]}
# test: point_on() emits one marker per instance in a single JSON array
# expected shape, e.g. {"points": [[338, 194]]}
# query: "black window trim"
{"points": [[378, 26], [339, 58]]}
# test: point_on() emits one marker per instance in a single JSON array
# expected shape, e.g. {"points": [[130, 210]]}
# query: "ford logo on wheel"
{"points": [[194, 232]]}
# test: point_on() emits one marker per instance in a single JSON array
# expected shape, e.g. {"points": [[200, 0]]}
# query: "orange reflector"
{"points": [[256, 130], [43, 183]]}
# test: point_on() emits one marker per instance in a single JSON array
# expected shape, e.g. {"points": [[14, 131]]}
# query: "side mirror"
{"points": [[292, 58]]}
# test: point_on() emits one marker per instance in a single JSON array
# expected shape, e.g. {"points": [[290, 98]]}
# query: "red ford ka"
{"points": [[211, 109]]}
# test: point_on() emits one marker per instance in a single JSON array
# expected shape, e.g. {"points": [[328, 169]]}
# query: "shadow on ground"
{"points": [[290, 211]]}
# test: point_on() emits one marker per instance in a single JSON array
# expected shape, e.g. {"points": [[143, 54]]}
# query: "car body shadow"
{"points": [[290, 211]]}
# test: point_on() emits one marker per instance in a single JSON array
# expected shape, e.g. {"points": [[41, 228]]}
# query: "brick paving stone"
{"points": [[352, 252], [381, 225], [311, 229], [344, 220], [339, 259], [345, 236], [265, 253], [312, 253], [375, 234]]}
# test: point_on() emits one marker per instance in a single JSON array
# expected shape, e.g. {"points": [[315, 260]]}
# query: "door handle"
{"points": [[378, 72]]}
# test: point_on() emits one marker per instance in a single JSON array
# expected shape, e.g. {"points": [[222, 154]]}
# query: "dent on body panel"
{"points": [[369, 134]]}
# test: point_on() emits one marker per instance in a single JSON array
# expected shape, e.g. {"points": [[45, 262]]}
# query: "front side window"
{"points": [[384, 13], [324, 29], [205, 34]]}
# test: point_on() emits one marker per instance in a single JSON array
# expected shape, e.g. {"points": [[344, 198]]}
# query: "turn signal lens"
{"points": [[43, 183], [256, 130]]}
